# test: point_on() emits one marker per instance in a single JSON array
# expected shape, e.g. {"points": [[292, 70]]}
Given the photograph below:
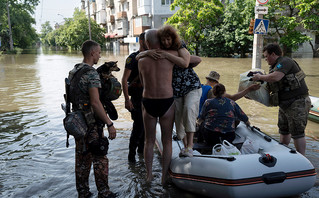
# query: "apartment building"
{"points": [[124, 20]]}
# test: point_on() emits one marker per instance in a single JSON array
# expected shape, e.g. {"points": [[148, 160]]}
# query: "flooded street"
{"points": [[34, 161]]}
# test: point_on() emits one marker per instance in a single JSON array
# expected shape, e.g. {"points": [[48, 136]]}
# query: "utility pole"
{"points": [[258, 38], [10, 31], [89, 15]]}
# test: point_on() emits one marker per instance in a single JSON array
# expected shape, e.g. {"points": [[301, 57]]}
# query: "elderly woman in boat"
{"points": [[219, 116]]}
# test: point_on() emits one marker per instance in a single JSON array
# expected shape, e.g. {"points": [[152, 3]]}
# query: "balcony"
{"points": [[101, 17], [140, 24], [110, 3], [121, 15]]}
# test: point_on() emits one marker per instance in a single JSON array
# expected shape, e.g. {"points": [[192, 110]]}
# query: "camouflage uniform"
{"points": [[83, 159], [292, 97], [293, 120]]}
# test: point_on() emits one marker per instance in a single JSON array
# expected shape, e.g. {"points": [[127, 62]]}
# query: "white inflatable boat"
{"points": [[274, 171], [314, 111]]}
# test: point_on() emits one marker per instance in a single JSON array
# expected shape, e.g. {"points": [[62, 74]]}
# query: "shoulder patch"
{"points": [[279, 66], [128, 60]]}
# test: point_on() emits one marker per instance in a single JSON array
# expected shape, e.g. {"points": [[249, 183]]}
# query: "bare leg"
{"points": [[166, 123], [300, 145], [185, 141], [190, 139], [150, 135], [285, 139]]}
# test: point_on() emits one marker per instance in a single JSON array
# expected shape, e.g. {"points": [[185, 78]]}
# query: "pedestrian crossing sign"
{"points": [[261, 26]]}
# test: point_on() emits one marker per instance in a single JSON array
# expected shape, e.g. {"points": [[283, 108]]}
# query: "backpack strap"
{"points": [[79, 72], [76, 79]]}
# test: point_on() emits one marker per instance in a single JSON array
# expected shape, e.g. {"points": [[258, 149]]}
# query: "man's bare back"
{"points": [[156, 77]]}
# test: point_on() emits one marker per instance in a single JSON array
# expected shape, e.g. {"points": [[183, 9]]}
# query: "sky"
{"points": [[54, 11]]}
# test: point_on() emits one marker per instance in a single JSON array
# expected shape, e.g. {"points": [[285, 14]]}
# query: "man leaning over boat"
{"points": [[289, 91]]}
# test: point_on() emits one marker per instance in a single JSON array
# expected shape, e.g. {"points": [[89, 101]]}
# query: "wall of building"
{"points": [[128, 18], [306, 47]]}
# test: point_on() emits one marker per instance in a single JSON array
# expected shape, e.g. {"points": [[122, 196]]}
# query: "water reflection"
{"points": [[33, 157]]}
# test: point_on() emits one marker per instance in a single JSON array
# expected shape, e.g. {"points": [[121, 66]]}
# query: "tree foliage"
{"points": [[285, 24], [291, 19], [231, 35], [195, 17], [23, 34], [45, 30], [216, 29], [74, 32]]}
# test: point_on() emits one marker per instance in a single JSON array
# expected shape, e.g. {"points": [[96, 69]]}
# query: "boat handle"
{"points": [[272, 178], [256, 130]]}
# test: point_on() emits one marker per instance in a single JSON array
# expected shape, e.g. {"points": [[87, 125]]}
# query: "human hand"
{"points": [[162, 53], [256, 77], [112, 132], [254, 87], [199, 121], [153, 54], [128, 105]]}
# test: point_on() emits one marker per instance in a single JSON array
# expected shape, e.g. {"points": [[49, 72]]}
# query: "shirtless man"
{"points": [[158, 102]]}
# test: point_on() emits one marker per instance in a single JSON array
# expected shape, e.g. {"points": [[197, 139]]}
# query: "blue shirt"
{"points": [[220, 114], [203, 98]]}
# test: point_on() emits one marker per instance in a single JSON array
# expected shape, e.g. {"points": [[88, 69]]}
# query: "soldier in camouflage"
{"points": [[85, 97], [289, 91]]}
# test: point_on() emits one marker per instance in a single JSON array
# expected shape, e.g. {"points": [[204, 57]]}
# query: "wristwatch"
{"points": [[109, 125]]}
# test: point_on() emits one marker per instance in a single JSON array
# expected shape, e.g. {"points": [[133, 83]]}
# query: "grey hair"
{"points": [[151, 37]]}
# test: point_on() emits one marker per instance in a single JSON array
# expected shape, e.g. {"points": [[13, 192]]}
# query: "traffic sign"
{"points": [[262, 2], [261, 10], [261, 26]]}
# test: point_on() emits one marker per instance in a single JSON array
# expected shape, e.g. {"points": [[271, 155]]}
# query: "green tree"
{"points": [[50, 39], [75, 31], [237, 18], [290, 19], [23, 34], [231, 35], [45, 30], [309, 15], [194, 18]]}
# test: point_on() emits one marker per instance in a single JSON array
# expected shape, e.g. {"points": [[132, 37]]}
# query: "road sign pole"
{"points": [[257, 51], [257, 46]]}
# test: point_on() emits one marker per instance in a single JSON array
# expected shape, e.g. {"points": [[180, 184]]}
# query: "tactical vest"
{"points": [[80, 100], [289, 82]]}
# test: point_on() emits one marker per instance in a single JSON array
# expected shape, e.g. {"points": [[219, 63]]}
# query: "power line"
{"points": [[41, 11]]}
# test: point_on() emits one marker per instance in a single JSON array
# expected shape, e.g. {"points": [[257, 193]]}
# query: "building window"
{"points": [[138, 22], [167, 2]]}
